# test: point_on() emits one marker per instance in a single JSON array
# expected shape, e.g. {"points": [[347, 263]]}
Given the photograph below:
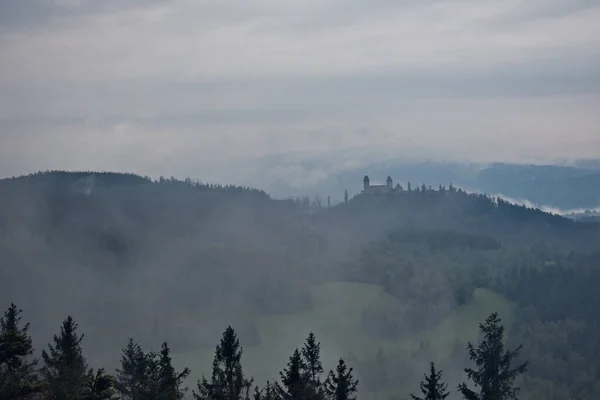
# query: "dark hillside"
{"points": [[180, 237], [179, 260], [456, 210]]}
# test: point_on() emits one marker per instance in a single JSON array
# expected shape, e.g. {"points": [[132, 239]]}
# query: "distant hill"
{"points": [[116, 209], [456, 210]]}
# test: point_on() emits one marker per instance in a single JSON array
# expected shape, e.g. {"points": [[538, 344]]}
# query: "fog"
{"points": [[139, 261], [213, 91], [269, 114], [179, 261]]}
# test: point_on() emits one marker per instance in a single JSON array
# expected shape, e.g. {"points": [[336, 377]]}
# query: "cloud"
{"points": [[201, 40], [200, 86]]}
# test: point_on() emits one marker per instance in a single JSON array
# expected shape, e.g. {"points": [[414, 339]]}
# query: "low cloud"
{"points": [[212, 90]]}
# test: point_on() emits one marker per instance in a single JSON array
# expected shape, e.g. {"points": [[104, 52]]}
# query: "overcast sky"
{"points": [[212, 89]]}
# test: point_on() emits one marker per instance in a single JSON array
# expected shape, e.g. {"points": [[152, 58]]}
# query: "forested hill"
{"points": [[456, 210], [115, 208], [390, 281], [120, 212]]}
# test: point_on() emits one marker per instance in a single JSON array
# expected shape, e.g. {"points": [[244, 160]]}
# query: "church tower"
{"points": [[366, 182], [389, 183]]}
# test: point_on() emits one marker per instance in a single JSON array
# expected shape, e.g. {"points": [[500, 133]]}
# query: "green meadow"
{"points": [[336, 320]]}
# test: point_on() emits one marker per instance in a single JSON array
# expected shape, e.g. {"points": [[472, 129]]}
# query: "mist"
{"points": [[179, 261], [170, 169]]}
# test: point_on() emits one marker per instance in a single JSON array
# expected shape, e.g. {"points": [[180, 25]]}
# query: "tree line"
{"points": [[64, 373]]}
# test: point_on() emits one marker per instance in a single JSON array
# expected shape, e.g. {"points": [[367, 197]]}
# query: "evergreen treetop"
{"points": [[313, 368], [494, 374], [18, 378], [433, 388], [227, 381], [293, 383], [341, 385], [65, 368]]}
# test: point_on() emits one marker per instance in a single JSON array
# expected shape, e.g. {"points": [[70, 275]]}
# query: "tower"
{"points": [[389, 183], [366, 182]]}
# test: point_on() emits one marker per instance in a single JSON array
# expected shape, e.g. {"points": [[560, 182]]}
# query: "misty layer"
{"points": [[389, 282]]}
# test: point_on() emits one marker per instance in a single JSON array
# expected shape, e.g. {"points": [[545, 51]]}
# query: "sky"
{"points": [[234, 91]]}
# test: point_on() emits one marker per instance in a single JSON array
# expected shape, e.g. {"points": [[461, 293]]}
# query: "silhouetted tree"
{"points": [[99, 386], [170, 381], [65, 368], [18, 379], [433, 388], [227, 381], [294, 386], [494, 375], [341, 385], [132, 378], [311, 355], [267, 393]]}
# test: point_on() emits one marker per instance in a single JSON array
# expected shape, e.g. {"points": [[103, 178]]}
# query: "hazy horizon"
{"points": [[229, 92]]}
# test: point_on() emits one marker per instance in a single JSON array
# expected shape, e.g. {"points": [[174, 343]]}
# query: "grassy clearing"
{"points": [[335, 320]]}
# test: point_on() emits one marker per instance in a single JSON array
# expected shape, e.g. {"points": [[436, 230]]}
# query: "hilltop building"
{"points": [[373, 189]]}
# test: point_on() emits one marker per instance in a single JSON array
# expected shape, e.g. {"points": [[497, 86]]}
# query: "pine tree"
{"points": [[267, 393], [494, 375], [65, 368], [170, 382], [294, 386], [227, 381], [18, 379], [433, 388], [132, 377], [313, 368], [270, 392], [151, 390], [341, 385], [99, 386]]}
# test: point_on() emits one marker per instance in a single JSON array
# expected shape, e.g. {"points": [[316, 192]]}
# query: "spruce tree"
{"points": [[494, 375], [153, 375], [227, 381], [270, 392], [433, 388], [341, 385], [132, 378], [99, 386], [65, 368], [170, 381], [267, 393], [313, 368], [294, 385], [18, 379]]}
